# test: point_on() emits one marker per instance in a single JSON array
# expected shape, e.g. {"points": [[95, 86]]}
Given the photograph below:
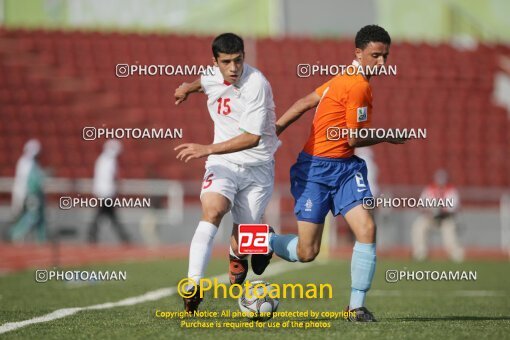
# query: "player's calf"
{"points": [[303, 248]]}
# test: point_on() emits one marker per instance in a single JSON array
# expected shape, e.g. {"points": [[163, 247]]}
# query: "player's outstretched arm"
{"points": [[360, 142], [193, 151], [296, 110], [182, 92]]}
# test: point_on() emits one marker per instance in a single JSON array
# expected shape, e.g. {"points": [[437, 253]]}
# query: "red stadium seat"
{"points": [[72, 84]]}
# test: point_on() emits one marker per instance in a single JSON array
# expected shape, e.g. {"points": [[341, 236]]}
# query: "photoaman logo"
{"points": [[188, 288]]}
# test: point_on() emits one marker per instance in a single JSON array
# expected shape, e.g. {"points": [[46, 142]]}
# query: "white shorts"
{"points": [[248, 188]]}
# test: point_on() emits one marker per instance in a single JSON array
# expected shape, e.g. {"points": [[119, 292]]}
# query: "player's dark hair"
{"points": [[227, 43], [371, 33]]}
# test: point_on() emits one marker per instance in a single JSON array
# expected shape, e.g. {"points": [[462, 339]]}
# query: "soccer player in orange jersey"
{"points": [[328, 176]]}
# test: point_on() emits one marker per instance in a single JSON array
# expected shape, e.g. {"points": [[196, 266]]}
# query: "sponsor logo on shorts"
{"points": [[308, 205]]}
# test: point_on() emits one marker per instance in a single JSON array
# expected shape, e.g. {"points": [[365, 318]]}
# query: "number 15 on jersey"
{"points": [[224, 106]]}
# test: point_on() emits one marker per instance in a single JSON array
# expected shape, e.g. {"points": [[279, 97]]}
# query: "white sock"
{"points": [[200, 250]]}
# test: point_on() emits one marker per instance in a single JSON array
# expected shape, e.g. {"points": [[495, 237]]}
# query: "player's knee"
{"points": [[367, 232], [307, 254], [213, 215]]}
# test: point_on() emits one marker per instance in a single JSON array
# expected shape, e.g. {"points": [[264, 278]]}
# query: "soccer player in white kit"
{"points": [[239, 172]]}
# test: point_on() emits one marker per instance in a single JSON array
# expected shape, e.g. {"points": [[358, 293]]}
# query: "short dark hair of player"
{"points": [[227, 43], [371, 33]]}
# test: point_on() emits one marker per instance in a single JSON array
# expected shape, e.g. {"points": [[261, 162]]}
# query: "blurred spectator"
{"points": [[105, 186], [442, 218], [149, 223], [28, 195], [501, 92]]}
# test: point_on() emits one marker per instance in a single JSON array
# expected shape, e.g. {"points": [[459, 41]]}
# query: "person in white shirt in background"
{"points": [[442, 218], [105, 186], [28, 195]]}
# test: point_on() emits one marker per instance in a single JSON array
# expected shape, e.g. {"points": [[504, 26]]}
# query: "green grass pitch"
{"points": [[408, 309]]}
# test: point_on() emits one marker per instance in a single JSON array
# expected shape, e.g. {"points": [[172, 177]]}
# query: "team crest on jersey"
{"points": [[362, 114], [308, 205]]}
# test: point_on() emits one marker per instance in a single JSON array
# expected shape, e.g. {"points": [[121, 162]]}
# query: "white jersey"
{"points": [[245, 106], [105, 171]]}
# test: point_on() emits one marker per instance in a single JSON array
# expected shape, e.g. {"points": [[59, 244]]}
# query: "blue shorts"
{"points": [[321, 184]]}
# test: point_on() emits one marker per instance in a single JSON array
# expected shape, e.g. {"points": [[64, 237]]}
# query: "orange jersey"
{"points": [[346, 102]]}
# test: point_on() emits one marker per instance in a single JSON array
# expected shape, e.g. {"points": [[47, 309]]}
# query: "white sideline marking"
{"points": [[425, 293], [274, 269], [380, 292], [474, 293]]}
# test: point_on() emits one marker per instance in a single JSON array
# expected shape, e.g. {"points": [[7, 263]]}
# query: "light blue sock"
{"points": [[285, 246], [362, 272]]}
